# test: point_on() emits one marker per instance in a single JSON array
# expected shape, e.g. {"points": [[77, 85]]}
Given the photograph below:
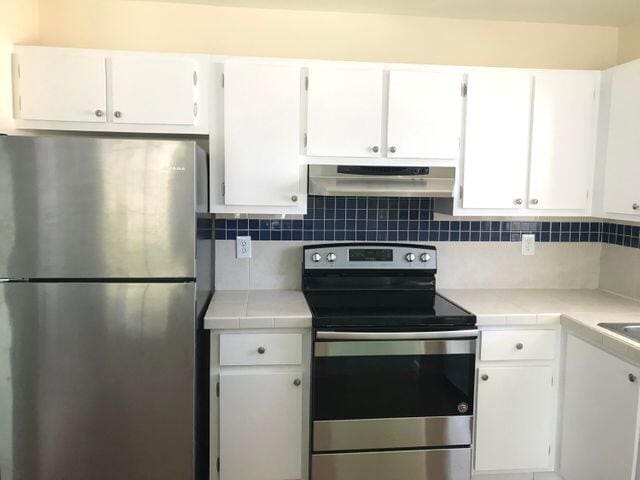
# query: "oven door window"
{"points": [[415, 379]]}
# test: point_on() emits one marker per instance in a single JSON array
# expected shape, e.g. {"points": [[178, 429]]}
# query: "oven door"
{"points": [[392, 390]]}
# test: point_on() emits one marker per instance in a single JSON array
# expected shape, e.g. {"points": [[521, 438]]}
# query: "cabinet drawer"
{"points": [[261, 349], [518, 345]]}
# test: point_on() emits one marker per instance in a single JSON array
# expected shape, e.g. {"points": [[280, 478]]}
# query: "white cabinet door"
{"points": [[425, 115], [496, 154], [260, 426], [344, 117], [622, 184], [563, 140], [514, 418], [262, 135], [599, 419], [149, 89], [67, 86]]}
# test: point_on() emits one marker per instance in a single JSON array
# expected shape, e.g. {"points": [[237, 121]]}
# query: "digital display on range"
{"points": [[370, 255]]}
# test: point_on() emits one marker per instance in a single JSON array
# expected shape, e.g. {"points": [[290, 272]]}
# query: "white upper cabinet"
{"points": [[61, 85], [153, 90], [563, 140], [497, 139], [344, 117], [425, 115], [600, 415], [102, 91], [514, 420], [622, 178], [262, 165]]}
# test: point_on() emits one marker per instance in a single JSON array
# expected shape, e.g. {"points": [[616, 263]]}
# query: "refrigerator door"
{"points": [[97, 381], [73, 207]]}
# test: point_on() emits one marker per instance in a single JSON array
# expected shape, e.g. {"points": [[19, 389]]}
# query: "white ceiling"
{"points": [[585, 12]]}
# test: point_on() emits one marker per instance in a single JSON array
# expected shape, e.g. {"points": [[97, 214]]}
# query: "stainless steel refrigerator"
{"points": [[105, 278]]}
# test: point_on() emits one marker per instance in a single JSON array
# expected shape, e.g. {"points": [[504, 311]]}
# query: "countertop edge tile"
{"points": [[266, 309]]}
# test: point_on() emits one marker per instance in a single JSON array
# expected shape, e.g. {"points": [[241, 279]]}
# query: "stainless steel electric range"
{"points": [[393, 366]]}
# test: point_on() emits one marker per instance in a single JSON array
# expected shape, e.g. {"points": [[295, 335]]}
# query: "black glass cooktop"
{"points": [[386, 309]]}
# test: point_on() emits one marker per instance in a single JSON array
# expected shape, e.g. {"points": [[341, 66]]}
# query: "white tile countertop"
{"points": [[579, 311], [232, 309]]}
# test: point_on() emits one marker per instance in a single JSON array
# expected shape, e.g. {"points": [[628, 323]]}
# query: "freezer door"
{"points": [[98, 208], [97, 381]]}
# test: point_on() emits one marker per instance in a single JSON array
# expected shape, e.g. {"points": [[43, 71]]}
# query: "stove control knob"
{"points": [[331, 257], [410, 257], [425, 257], [316, 257]]}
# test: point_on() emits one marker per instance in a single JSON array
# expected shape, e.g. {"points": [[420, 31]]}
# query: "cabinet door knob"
{"points": [[294, 198], [375, 149], [117, 114], [632, 378], [534, 201], [484, 377], [297, 382], [518, 201], [519, 346], [393, 149], [99, 113], [636, 206], [261, 350]]}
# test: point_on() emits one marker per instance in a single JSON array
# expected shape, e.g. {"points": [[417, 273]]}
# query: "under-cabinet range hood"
{"points": [[331, 180]]}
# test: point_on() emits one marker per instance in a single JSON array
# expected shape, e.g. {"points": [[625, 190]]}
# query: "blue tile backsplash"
{"points": [[411, 219]]}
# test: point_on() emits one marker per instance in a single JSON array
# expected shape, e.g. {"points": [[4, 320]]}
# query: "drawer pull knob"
{"points": [[297, 382], [632, 378], [519, 346], [375, 149], [261, 350], [484, 377]]}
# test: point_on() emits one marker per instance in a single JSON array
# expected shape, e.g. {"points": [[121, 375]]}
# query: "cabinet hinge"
{"points": [[306, 83], [218, 389], [461, 192], [552, 380], [463, 90], [223, 190], [549, 452], [195, 109], [588, 194], [218, 464], [19, 103], [223, 80], [19, 74], [195, 78], [305, 140]]}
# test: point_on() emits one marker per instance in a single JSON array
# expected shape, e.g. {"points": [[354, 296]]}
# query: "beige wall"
{"points": [[620, 270], [629, 43], [142, 25], [18, 24]]}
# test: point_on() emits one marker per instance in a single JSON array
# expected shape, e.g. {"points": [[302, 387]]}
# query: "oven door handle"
{"points": [[451, 334]]}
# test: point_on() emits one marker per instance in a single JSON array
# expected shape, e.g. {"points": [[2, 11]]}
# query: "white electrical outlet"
{"points": [[528, 244], [243, 247]]}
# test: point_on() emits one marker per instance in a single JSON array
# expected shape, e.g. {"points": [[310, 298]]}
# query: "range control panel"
{"points": [[347, 256]]}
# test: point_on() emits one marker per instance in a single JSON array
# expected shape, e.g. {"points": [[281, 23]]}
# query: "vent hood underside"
{"points": [[324, 180]]}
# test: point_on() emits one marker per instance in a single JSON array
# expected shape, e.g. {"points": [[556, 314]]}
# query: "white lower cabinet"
{"points": [[261, 426], [600, 415], [516, 400], [260, 404], [515, 405]]}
